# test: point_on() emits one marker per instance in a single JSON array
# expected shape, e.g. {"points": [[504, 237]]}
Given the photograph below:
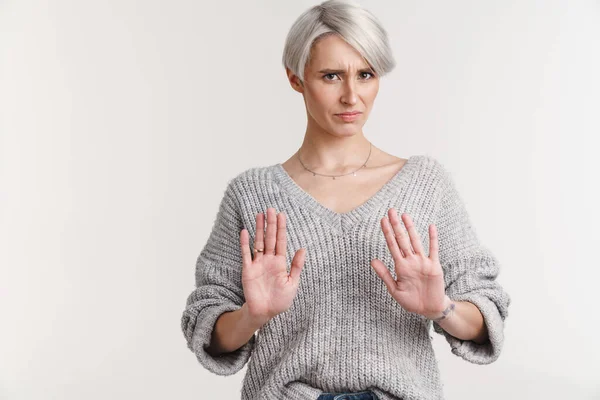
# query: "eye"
{"points": [[326, 75], [371, 75]]}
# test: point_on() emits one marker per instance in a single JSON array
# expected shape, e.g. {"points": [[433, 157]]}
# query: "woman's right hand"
{"points": [[268, 288]]}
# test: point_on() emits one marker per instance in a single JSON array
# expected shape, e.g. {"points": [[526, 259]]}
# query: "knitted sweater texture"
{"points": [[343, 332]]}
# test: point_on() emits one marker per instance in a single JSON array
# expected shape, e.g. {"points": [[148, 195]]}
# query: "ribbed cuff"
{"points": [[469, 350], [222, 364]]}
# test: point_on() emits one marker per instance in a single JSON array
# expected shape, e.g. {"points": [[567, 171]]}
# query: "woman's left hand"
{"points": [[419, 287]]}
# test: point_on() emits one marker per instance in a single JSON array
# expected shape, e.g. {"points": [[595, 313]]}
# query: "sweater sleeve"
{"points": [[470, 272], [218, 289]]}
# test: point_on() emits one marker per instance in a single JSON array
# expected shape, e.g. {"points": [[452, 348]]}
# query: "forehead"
{"points": [[333, 52]]}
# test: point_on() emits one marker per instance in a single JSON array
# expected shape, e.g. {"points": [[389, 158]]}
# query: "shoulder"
{"points": [[433, 170], [429, 162], [257, 173], [252, 183], [253, 176]]}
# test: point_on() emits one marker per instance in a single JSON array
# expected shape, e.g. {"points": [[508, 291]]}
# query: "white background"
{"points": [[121, 122]]}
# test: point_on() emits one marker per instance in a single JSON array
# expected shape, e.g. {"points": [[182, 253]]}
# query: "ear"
{"points": [[295, 82]]}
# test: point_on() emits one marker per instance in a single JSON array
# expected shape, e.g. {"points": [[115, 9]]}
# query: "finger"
{"points": [[415, 239], [271, 234], [384, 274], [259, 238], [392, 244], [401, 236], [281, 244], [297, 264], [245, 244], [433, 243]]}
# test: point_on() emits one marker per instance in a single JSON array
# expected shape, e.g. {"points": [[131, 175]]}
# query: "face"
{"points": [[337, 79]]}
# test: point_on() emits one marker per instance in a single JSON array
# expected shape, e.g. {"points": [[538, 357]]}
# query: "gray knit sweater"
{"points": [[344, 331]]}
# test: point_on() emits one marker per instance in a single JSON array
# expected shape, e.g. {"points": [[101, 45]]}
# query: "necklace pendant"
{"points": [[334, 178], [354, 174], [314, 174]]}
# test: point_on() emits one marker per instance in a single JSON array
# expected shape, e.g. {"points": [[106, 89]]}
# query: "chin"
{"points": [[342, 129], [345, 133], [346, 129]]}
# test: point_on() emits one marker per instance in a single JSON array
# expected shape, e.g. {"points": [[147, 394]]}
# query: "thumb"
{"points": [[384, 274], [297, 264]]}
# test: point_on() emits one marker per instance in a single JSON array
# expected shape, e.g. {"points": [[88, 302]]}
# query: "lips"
{"points": [[349, 116]]}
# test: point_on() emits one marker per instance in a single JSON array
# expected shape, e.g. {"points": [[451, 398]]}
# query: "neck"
{"points": [[323, 151]]}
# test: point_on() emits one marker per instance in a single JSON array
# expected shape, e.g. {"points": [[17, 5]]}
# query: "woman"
{"points": [[379, 248]]}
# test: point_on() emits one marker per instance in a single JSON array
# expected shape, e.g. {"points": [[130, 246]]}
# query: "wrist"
{"points": [[446, 312], [253, 320]]}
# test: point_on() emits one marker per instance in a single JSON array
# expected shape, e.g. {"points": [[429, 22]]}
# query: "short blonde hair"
{"points": [[346, 18]]}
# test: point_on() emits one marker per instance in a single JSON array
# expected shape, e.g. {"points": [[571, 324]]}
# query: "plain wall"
{"points": [[122, 121]]}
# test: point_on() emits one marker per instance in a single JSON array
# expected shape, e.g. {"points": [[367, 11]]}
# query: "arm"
{"points": [[219, 291], [232, 330], [465, 322], [470, 272]]}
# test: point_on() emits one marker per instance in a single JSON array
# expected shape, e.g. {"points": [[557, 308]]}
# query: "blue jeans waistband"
{"points": [[365, 395]]}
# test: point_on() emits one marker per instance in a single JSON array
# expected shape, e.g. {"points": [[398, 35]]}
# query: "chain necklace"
{"points": [[337, 176]]}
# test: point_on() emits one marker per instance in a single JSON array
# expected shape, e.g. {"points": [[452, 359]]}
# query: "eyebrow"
{"points": [[341, 71]]}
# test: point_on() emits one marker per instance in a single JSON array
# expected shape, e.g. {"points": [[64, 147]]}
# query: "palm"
{"points": [[268, 288], [419, 286]]}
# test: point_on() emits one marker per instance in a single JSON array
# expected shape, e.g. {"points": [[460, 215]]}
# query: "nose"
{"points": [[349, 93]]}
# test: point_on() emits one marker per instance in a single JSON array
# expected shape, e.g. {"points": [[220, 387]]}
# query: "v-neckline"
{"points": [[342, 222]]}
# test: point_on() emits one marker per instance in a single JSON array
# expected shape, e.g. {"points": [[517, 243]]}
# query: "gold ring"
{"points": [[258, 250]]}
